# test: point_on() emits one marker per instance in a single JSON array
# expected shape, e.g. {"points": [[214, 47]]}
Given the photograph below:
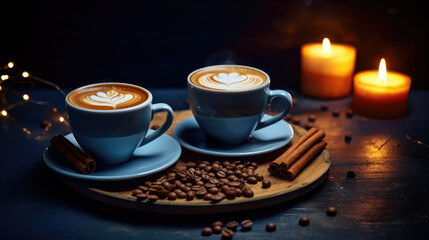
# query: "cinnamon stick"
{"points": [[76, 156], [308, 140], [293, 171], [280, 160]]}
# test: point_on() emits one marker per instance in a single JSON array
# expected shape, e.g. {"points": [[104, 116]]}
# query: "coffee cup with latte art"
{"points": [[111, 120], [228, 101]]}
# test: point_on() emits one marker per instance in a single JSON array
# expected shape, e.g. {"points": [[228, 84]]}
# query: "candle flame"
{"points": [[326, 44], [382, 71]]}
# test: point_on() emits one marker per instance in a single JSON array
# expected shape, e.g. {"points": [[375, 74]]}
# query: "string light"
{"points": [[25, 74], [29, 79]]}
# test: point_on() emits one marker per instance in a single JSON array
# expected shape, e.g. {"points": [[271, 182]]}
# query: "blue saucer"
{"points": [[151, 158], [265, 140]]}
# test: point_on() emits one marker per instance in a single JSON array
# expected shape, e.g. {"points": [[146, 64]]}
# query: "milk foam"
{"points": [[111, 98], [230, 81]]}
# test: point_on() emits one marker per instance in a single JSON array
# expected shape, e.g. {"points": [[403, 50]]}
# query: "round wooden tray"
{"points": [[281, 190]]}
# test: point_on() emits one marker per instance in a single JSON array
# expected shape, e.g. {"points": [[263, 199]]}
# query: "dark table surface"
{"points": [[388, 198]]}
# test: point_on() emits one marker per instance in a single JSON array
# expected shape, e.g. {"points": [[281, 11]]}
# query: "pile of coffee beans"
{"points": [[231, 227], [211, 181]]}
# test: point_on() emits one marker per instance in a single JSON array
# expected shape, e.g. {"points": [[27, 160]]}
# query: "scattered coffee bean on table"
{"points": [[296, 120], [336, 113], [227, 233], [217, 229], [349, 113], [308, 126], [324, 107], [232, 225], [248, 193], [252, 180], [266, 184], [331, 211], [246, 224], [348, 137], [351, 174], [217, 223], [304, 221], [270, 227], [206, 231]]}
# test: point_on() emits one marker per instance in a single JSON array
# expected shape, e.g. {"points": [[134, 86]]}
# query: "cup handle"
{"points": [[288, 106], [159, 107]]}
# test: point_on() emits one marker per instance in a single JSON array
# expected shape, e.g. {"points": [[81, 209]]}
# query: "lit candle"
{"points": [[381, 94], [327, 69]]}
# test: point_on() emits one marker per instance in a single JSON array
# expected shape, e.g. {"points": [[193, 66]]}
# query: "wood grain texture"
{"points": [[281, 190]]}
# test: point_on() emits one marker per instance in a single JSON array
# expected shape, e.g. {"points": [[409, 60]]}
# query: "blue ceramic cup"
{"points": [[110, 136], [229, 116]]}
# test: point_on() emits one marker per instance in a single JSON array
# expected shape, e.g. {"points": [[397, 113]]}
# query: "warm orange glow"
{"points": [[25, 74], [382, 71], [326, 44], [61, 119], [4, 77], [4, 113], [25, 97], [11, 64]]}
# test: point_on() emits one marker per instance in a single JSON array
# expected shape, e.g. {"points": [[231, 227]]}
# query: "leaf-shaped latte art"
{"points": [[230, 81], [112, 98]]}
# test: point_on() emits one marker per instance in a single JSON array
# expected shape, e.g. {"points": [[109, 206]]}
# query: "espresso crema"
{"points": [[228, 78], [107, 96]]}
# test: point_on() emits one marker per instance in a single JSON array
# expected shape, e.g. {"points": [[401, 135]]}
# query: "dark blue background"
{"points": [[158, 43]]}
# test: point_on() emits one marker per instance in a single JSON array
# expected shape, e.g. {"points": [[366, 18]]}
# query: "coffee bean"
{"points": [[152, 197], [190, 195], [230, 193], [308, 126], [259, 176], [351, 174], [311, 118], [191, 165], [201, 193], [217, 229], [238, 192], [238, 173], [163, 193], [182, 195], [172, 196], [348, 137], [246, 224], [207, 231], [136, 191], [166, 185], [177, 190], [141, 196], [252, 180], [209, 185], [304, 221], [248, 193], [270, 227], [336, 113], [217, 197], [227, 233], [232, 225], [234, 184], [244, 175], [295, 120], [266, 184], [331, 211], [324, 107], [213, 190], [254, 165], [143, 188], [186, 189], [221, 174], [349, 113], [208, 196]]}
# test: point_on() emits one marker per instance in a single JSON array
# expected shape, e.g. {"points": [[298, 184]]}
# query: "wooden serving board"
{"points": [[281, 190]]}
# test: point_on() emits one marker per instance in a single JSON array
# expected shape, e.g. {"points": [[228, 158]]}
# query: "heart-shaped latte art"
{"points": [[112, 98], [230, 81]]}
